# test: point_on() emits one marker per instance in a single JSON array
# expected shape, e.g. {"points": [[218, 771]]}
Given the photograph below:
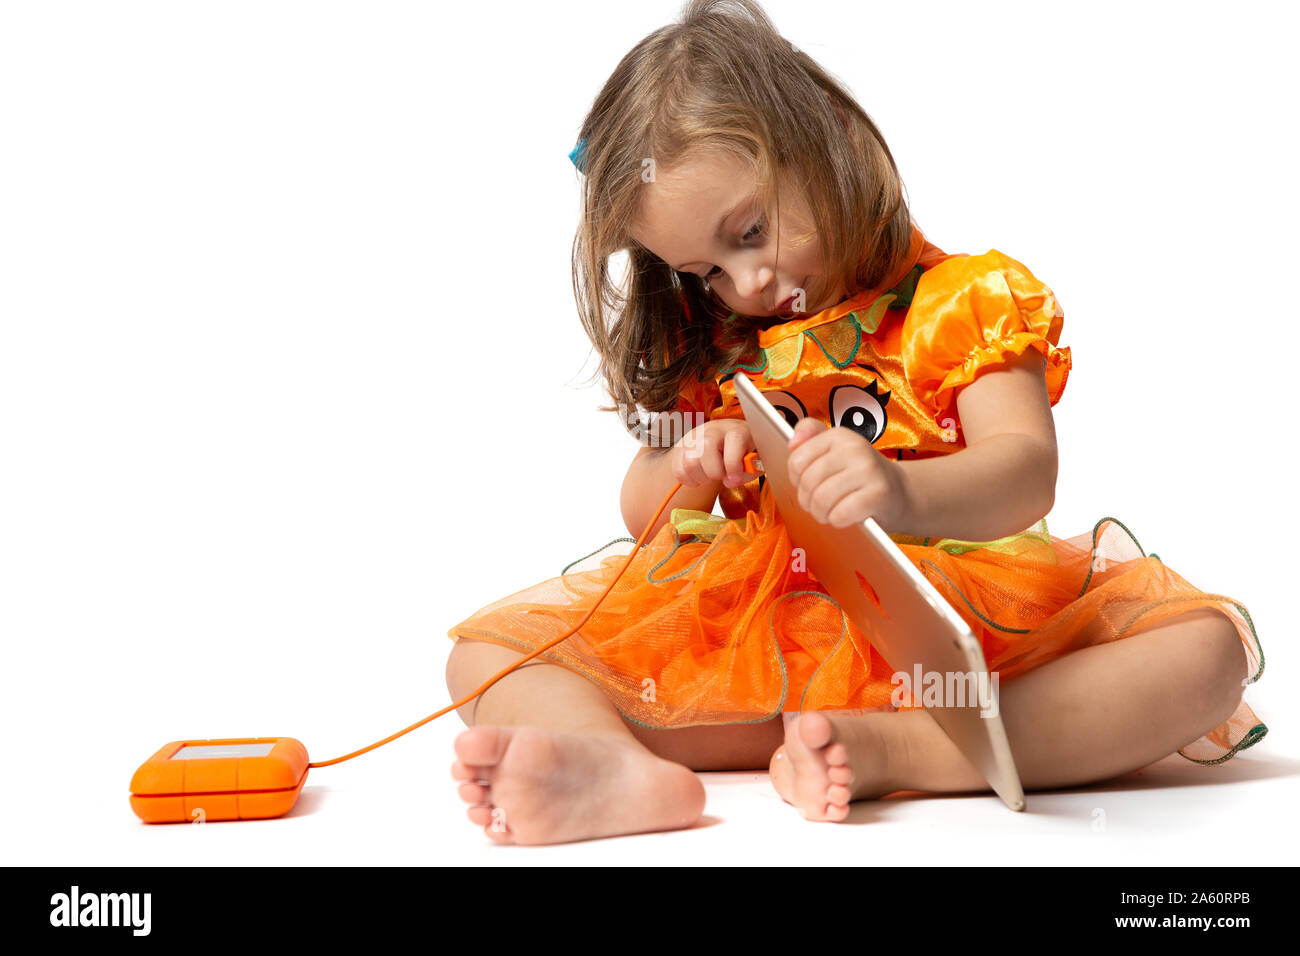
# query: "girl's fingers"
{"points": [[730, 446], [813, 479], [803, 431], [716, 454], [686, 468], [738, 443], [694, 469], [843, 491]]}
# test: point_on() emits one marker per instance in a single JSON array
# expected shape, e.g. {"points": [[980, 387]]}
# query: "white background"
{"points": [[292, 380]]}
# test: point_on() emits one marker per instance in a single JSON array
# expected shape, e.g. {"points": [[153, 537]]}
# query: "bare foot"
{"points": [[531, 786], [827, 762]]}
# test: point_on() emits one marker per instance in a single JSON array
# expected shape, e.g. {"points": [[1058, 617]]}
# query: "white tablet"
{"points": [[895, 607]]}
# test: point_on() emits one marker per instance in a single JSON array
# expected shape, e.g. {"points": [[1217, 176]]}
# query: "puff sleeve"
{"points": [[971, 313]]}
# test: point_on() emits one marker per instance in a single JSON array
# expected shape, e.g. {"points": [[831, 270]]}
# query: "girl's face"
{"points": [[701, 217]]}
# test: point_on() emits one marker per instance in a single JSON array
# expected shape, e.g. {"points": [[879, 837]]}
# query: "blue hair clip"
{"points": [[578, 156]]}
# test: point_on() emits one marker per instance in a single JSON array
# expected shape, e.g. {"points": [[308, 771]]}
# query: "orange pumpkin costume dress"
{"points": [[712, 623]]}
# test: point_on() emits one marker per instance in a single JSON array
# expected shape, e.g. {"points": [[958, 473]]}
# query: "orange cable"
{"points": [[519, 663]]}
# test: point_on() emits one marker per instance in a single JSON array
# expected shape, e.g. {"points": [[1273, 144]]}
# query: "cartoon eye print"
{"points": [[788, 405], [862, 409]]}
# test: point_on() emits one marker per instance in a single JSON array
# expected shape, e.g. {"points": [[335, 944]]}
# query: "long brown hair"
{"points": [[721, 78]]}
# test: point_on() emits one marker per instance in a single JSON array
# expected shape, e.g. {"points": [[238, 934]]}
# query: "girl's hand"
{"points": [[842, 479], [714, 451]]}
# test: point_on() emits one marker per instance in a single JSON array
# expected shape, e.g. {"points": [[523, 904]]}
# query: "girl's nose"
{"points": [[754, 283]]}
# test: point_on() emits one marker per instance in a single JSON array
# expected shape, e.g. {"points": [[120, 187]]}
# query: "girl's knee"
{"points": [[472, 662], [1235, 665], [1219, 646]]}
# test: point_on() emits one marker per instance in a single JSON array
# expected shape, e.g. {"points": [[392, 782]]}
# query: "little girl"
{"points": [[766, 234]]}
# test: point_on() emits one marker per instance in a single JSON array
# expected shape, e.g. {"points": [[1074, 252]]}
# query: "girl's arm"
{"points": [[649, 478], [1004, 480]]}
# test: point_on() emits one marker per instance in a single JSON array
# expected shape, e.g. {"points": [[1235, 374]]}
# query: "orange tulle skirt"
{"points": [[721, 627]]}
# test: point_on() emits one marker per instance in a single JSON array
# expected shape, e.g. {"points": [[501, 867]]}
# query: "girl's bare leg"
{"points": [[1093, 714], [715, 748], [549, 759]]}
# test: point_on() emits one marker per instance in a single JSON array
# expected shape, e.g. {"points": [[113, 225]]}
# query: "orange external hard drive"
{"points": [[193, 781]]}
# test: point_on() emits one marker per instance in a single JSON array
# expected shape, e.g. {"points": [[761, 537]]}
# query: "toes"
{"points": [[814, 730], [480, 815], [465, 774], [474, 793], [837, 755], [817, 774], [497, 829], [481, 747], [823, 812]]}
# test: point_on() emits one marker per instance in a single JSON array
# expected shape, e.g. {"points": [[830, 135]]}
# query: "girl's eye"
{"points": [[753, 233]]}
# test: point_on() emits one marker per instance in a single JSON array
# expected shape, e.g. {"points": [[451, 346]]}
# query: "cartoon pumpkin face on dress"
{"points": [[856, 402], [842, 367], [854, 399]]}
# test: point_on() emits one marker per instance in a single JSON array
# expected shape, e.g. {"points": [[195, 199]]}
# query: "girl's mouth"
{"points": [[788, 305]]}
